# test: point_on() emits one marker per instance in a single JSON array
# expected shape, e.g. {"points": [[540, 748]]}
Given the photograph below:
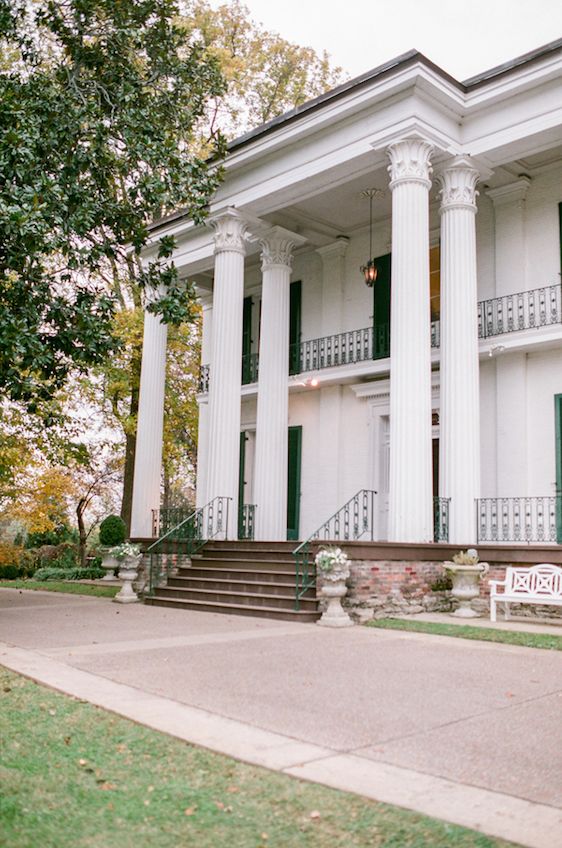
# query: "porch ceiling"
{"points": [[341, 210]]}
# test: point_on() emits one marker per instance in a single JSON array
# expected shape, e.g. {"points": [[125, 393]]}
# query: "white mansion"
{"points": [[440, 385]]}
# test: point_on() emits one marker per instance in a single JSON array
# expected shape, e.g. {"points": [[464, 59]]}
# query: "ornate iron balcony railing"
{"points": [[246, 518], [496, 316], [441, 519], [203, 386], [250, 368], [169, 517], [520, 311], [532, 519]]}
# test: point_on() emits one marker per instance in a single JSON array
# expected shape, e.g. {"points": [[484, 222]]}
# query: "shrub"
{"points": [[112, 531], [50, 573], [10, 572], [442, 583], [57, 556], [29, 563]]}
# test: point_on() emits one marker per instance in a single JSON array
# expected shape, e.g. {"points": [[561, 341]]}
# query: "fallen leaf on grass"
{"points": [[106, 785], [314, 814], [190, 811]]}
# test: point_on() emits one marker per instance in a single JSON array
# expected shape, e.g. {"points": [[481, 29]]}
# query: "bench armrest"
{"points": [[497, 583]]}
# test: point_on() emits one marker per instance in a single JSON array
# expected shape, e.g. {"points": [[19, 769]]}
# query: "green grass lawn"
{"points": [[56, 586], [74, 776], [462, 631]]}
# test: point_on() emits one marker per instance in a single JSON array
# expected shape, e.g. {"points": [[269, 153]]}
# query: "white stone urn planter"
{"points": [[109, 562], [129, 557], [332, 565], [466, 573]]}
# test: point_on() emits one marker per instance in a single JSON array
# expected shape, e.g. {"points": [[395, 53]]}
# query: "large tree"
{"points": [[266, 74], [100, 111]]}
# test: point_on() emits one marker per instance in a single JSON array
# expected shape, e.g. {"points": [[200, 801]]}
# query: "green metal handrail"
{"points": [[185, 539], [352, 521]]}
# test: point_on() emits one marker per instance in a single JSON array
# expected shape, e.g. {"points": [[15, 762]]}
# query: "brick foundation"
{"points": [[379, 588]]}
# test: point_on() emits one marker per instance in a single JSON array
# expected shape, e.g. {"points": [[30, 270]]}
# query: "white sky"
{"points": [[463, 37]]}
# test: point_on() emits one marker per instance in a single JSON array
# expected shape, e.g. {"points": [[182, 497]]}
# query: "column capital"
{"points": [[277, 246], [410, 161], [458, 185], [231, 231]]}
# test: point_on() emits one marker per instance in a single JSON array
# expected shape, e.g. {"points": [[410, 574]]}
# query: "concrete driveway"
{"points": [[469, 732]]}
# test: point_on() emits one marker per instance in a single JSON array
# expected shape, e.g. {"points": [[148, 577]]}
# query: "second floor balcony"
{"points": [[528, 310]]}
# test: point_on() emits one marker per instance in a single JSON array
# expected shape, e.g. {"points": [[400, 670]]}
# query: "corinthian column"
{"points": [[148, 453], [459, 436], [226, 357], [270, 475], [410, 485]]}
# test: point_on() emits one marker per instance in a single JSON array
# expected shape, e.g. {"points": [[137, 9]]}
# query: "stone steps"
{"points": [[239, 578]]}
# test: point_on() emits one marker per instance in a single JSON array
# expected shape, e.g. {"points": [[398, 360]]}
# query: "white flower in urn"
{"points": [[332, 563], [125, 551]]}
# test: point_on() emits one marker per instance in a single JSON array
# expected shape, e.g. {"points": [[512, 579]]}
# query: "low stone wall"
{"points": [[380, 588]]}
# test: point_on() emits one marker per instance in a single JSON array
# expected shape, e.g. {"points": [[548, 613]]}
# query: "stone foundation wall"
{"points": [[381, 588]]}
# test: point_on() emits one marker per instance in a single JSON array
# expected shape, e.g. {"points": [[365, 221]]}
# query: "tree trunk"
{"points": [[82, 535]]}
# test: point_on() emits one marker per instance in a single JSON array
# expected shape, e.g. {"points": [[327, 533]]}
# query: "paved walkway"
{"points": [[469, 732]]}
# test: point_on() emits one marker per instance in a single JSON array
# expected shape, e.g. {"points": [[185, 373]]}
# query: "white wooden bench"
{"points": [[540, 584]]}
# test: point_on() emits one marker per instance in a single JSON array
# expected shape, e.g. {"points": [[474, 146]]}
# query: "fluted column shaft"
{"points": [[226, 358], [459, 435], [410, 484], [148, 453], [203, 404], [270, 475]]}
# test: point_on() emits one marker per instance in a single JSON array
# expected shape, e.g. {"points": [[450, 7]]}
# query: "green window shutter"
{"points": [[294, 482], [381, 308], [295, 305], [247, 341]]}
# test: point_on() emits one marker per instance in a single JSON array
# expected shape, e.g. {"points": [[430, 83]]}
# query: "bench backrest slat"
{"points": [[544, 579]]}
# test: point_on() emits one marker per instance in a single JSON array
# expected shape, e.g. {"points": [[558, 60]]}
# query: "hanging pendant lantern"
{"points": [[369, 270]]}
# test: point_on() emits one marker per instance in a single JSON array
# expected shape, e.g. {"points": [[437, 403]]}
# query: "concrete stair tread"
{"points": [[288, 597], [246, 609], [212, 581], [185, 571], [248, 559]]}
